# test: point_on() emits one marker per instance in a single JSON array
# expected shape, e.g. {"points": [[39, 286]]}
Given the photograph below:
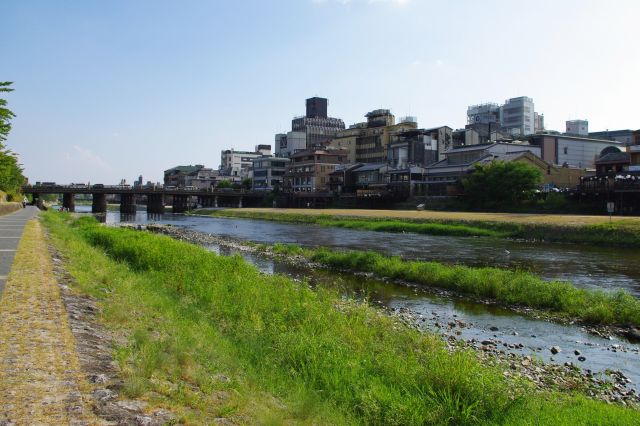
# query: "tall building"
{"points": [[315, 124], [483, 114], [577, 127], [372, 137], [517, 116], [289, 143], [309, 170]]}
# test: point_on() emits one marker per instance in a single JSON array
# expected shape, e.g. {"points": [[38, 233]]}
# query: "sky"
{"points": [[106, 90]]}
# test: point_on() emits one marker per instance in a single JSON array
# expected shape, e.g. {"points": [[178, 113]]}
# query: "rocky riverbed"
{"points": [[611, 386]]}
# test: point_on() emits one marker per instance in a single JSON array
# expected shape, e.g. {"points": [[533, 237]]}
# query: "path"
{"points": [[11, 227], [41, 381]]}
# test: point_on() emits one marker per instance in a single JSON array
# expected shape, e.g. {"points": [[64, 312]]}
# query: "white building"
{"points": [[238, 164], [518, 116], [577, 127], [290, 143], [573, 151]]}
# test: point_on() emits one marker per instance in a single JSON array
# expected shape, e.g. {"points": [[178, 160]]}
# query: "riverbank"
{"points": [[601, 313], [286, 353], [490, 349], [309, 350], [594, 230]]}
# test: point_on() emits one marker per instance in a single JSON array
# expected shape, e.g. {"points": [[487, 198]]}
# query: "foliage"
{"points": [[288, 355], [11, 178], [247, 183], [508, 287], [500, 183], [223, 184], [5, 114]]}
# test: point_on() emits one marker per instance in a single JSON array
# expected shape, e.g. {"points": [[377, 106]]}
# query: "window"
{"points": [[566, 150]]}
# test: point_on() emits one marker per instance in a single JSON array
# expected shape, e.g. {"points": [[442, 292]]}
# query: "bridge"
{"points": [[180, 199]]}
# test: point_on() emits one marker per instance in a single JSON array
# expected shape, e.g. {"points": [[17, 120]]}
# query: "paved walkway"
{"points": [[41, 382], [11, 227]]}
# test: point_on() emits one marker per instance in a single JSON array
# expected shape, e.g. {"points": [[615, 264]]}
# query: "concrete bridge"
{"points": [[180, 199]]}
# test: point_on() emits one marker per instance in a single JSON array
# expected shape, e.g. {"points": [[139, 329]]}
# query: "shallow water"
{"points": [[604, 268]]}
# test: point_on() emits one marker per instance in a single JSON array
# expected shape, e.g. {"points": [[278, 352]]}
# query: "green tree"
{"points": [[500, 184], [11, 178], [223, 184], [5, 114], [247, 183]]}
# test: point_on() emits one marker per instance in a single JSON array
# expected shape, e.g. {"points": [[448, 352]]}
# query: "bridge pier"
{"points": [[180, 203], [215, 201], [99, 203], [68, 202], [155, 203], [128, 203], [240, 202]]}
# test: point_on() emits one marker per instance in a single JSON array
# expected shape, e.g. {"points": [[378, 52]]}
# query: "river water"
{"points": [[591, 267]]}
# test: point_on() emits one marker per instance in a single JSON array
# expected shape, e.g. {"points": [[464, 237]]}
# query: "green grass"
{"points": [[616, 234], [291, 355], [504, 286]]}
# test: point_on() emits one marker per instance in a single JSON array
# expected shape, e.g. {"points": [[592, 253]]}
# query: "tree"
{"points": [[5, 114], [11, 178], [223, 184], [247, 183], [500, 184]]}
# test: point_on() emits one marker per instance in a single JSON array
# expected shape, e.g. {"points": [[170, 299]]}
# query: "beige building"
{"points": [[372, 143], [309, 170], [346, 140]]}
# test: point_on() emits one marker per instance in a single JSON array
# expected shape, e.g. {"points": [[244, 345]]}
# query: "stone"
{"points": [[555, 349], [582, 358], [576, 352], [493, 328]]}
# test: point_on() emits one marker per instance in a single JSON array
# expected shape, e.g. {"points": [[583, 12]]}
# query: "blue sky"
{"points": [[106, 90]]}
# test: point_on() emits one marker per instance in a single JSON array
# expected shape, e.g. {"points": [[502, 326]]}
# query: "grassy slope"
{"points": [[619, 233], [191, 315]]}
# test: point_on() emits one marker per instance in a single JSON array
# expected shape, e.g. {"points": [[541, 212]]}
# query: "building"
{"points": [[268, 172], [577, 128], [237, 164], [574, 151], [197, 176], [419, 147], [346, 140], [443, 178], [483, 114], [372, 137], [289, 143], [309, 170], [315, 124], [624, 136], [517, 116], [634, 153], [613, 162], [538, 122]]}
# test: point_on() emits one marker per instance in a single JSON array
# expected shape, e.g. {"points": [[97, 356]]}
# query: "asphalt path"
{"points": [[11, 227]]}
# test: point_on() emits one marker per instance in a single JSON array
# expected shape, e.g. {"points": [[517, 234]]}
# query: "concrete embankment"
{"points": [[6, 208]]}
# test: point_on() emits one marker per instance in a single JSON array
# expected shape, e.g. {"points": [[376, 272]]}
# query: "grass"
{"points": [[625, 233], [289, 354]]}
